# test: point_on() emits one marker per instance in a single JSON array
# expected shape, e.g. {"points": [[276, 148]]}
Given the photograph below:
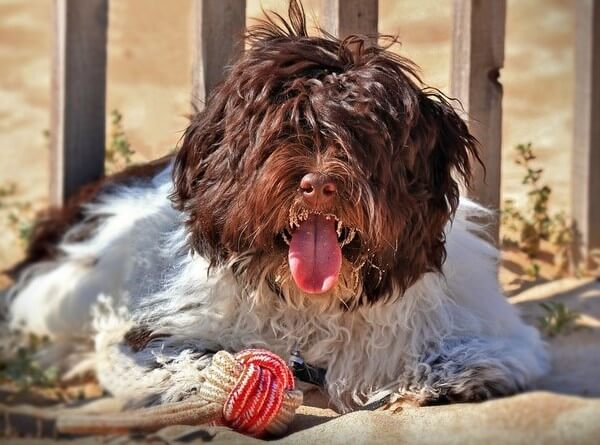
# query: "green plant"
{"points": [[7, 190], [21, 221], [533, 271], [527, 228], [595, 258], [22, 368], [558, 319], [563, 238], [534, 224], [19, 216], [118, 152]]}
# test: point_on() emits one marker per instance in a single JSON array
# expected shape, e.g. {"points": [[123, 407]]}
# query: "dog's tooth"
{"points": [[339, 229], [285, 238], [294, 221], [351, 235], [349, 238]]}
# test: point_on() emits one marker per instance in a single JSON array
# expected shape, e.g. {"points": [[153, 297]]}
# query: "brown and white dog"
{"points": [[313, 206]]}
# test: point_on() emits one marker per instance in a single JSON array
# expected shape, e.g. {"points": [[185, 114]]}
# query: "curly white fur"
{"points": [[449, 333]]}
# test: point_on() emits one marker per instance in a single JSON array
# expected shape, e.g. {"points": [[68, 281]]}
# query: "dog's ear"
{"points": [[445, 151], [184, 177], [436, 154], [439, 153], [203, 180]]}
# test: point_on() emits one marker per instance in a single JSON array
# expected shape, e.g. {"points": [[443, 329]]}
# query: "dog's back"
{"points": [[113, 244]]}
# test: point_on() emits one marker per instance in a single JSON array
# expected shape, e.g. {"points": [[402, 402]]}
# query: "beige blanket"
{"points": [[564, 410]]}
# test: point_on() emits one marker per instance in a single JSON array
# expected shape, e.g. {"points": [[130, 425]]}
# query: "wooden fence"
{"points": [[79, 84]]}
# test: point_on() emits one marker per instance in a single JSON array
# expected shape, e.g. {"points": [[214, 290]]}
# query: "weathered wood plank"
{"points": [[219, 27], [78, 95], [342, 18], [477, 57], [585, 169]]}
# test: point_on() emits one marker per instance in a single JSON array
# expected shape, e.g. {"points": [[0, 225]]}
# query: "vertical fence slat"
{"points": [[477, 57], [344, 17], [78, 96], [219, 26], [585, 170]]}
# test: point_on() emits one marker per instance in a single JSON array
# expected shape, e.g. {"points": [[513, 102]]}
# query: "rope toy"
{"points": [[252, 392]]}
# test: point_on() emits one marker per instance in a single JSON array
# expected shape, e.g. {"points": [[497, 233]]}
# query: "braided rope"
{"points": [[251, 392], [256, 388]]}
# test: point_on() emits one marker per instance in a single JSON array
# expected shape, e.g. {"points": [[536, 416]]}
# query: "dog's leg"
{"points": [[470, 370], [141, 369]]}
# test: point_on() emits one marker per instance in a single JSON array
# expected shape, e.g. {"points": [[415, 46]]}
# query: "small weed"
{"points": [[21, 223], [533, 224], [559, 319], [511, 217], [19, 216], [533, 271], [21, 367], [563, 238], [7, 190], [595, 259], [118, 152], [527, 228]]}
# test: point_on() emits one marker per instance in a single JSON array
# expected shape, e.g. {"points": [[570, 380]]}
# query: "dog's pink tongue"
{"points": [[315, 256]]}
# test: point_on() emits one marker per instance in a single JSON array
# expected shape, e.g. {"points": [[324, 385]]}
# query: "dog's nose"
{"points": [[318, 190]]}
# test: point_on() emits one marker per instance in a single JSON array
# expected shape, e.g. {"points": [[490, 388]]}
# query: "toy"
{"points": [[252, 392]]}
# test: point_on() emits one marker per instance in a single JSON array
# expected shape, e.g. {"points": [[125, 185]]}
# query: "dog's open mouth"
{"points": [[315, 250]]}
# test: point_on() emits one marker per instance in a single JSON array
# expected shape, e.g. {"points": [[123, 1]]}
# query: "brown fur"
{"points": [[295, 104], [52, 224], [138, 337], [292, 105]]}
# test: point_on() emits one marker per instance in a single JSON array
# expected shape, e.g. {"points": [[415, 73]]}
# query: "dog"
{"points": [[312, 209]]}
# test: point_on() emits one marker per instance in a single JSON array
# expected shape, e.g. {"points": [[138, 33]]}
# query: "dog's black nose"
{"points": [[318, 190]]}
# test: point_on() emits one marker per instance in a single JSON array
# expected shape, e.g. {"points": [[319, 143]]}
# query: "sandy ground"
{"points": [[564, 408], [149, 77]]}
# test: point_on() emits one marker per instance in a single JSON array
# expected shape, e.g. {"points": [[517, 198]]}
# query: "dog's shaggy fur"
{"points": [[197, 254]]}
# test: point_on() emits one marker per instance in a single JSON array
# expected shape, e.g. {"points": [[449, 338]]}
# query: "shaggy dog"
{"points": [[313, 208]]}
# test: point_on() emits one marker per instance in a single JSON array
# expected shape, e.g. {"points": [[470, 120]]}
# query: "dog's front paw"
{"points": [[397, 404], [472, 392]]}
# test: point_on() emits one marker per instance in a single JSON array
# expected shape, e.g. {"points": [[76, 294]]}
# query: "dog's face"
{"points": [[325, 166]]}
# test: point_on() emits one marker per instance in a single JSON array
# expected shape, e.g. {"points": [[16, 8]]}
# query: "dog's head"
{"points": [[325, 165]]}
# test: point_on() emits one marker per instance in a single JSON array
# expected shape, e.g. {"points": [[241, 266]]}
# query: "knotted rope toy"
{"points": [[251, 392]]}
